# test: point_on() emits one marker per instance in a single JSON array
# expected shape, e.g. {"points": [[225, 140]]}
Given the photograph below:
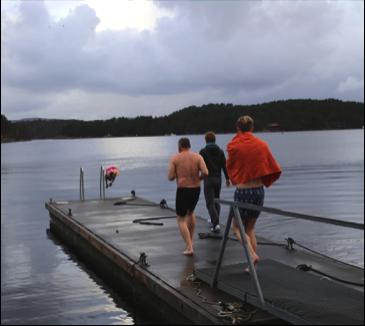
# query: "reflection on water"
{"points": [[41, 282]]}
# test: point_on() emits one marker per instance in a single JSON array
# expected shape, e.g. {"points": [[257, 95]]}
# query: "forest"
{"points": [[286, 115]]}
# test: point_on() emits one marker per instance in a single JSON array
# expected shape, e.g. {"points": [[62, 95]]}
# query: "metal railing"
{"points": [[352, 225], [82, 185], [102, 183], [237, 216]]}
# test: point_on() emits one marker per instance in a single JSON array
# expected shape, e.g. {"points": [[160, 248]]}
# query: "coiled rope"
{"points": [[234, 312]]}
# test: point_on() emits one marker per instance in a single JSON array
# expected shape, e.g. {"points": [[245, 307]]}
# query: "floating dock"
{"points": [[135, 246]]}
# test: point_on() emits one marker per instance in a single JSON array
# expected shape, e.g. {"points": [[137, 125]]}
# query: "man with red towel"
{"points": [[250, 166]]}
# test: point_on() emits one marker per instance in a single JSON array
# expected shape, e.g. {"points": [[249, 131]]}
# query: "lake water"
{"points": [[42, 283]]}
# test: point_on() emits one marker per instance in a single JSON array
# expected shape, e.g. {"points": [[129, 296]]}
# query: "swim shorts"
{"points": [[254, 196], [186, 200]]}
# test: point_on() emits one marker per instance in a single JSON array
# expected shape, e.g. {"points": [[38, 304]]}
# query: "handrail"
{"points": [[353, 225], [82, 185], [237, 216], [102, 183]]}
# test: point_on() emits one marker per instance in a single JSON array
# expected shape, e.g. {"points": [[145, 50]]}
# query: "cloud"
{"points": [[351, 84], [207, 51]]}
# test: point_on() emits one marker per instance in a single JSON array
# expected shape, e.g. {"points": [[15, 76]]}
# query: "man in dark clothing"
{"points": [[215, 161]]}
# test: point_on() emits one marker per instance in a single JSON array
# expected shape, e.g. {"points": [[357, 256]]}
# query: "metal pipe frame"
{"points": [[237, 216], [352, 225], [102, 183], [82, 184]]}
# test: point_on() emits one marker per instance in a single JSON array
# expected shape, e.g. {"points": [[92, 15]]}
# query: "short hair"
{"points": [[245, 123], [184, 142], [210, 137]]}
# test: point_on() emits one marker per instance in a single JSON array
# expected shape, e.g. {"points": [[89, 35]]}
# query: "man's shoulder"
{"points": [[196, 156], [174, 157], [260, 141], [221, 150]]}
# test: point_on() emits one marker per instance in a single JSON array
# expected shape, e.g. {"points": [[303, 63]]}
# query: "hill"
{"points": [[288, 115]]}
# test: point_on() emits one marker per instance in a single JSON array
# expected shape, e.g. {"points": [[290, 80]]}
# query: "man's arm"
{"points": [[231, 158], [203, 168], [223, 165], [172, 171]]}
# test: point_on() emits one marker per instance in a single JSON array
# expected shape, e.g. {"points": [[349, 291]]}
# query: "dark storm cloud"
{"points": [[235, 51]]}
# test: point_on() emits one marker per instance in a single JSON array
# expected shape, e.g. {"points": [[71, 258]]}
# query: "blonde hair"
{"points": [[245, 123]]}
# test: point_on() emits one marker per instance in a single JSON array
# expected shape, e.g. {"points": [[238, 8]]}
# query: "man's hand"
{"points": [[228, 183]]}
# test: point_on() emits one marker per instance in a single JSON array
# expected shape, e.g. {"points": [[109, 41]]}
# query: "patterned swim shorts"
{"points": [[254, 196]]}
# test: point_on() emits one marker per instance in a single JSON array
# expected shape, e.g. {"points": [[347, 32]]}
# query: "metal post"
{"points": [[221, 252], [82, 184], [253, 273], [101, 182], [103, 176]]}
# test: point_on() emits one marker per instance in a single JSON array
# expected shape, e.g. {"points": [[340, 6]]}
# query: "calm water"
{"points": [[42, 283]]}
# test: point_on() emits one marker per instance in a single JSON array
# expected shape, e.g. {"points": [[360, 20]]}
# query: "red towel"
{"points": [[250, 158]]}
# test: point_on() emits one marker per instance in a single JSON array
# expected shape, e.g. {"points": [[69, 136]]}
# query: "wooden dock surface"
{"points": [[109, 230]]}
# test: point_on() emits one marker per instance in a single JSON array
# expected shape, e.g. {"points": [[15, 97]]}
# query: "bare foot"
{"points": [[255, 260], [188, 252]]}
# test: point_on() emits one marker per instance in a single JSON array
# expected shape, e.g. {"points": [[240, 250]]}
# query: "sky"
{"points": [[98, 59]]}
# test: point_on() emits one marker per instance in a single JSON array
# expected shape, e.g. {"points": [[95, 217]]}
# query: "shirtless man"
{"points": [[250, 167], [188, 168]]}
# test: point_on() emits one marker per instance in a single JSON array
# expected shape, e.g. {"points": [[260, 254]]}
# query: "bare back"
{"points": [[185, 167]]}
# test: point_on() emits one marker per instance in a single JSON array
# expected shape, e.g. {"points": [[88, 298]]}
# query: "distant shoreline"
{"points": [[277, 116], [7, 141]]}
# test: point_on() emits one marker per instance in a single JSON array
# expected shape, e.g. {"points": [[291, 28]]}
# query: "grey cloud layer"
{"points": [[235, 51]]}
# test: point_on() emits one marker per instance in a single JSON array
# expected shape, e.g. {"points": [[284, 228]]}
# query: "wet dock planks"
{"points": [[104, 233]]}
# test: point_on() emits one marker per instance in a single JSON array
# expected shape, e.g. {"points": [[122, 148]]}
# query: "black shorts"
{"points": [[186, 200]]}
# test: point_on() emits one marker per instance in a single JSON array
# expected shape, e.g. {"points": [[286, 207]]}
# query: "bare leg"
{"points": [[185, 233], [252, 253], [250, 231], [191, 225]]}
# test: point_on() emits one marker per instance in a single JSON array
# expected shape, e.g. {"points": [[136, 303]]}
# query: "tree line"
{"points": [[288, 115]]}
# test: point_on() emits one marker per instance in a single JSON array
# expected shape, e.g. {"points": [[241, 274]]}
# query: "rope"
{"points": [[235, 312], [292, 242], [121, 202], [304, 267], [290, 246], [162, 204], [145, 220], [307, 268]]}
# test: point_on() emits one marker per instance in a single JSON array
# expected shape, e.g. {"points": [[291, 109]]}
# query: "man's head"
{"points": [[244, 124], [210, 137], [184, 144]]}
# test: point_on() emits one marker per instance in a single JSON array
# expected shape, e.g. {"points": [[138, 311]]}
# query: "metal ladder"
{"points": [[102, 184]]}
